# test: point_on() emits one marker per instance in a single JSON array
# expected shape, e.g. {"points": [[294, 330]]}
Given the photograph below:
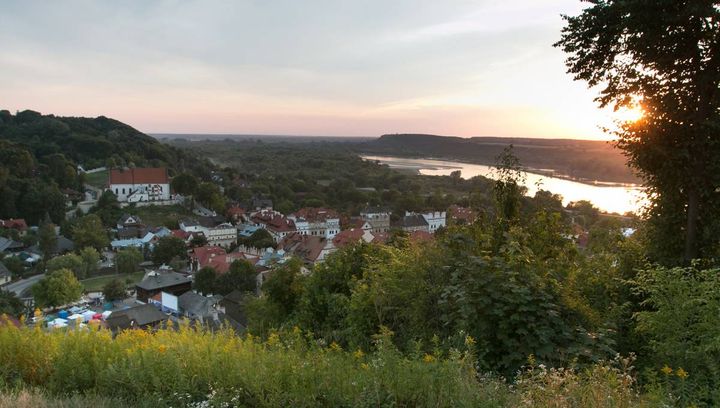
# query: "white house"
{"points": [[319, 222], [140, 184], [221, 235], [434, 219]]}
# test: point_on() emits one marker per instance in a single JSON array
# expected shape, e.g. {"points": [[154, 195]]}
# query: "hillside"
{"points": [[579, 159], [40, 154]]}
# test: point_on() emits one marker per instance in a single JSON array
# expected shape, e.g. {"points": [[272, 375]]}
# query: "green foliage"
{"points": [[682, 323], [47, 239], [14, 265], [90, 258], [114, 290], [210, 196], [168, 248], [185, 184], [205, 280], [89, 231], [241, 276], [107, 208], [259, 239], [10, 304], [57, 288], [70, 262], [128, 260], [663, 57]]}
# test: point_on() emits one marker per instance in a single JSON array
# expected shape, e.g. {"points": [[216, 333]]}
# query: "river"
{"points": [[607, 197]]}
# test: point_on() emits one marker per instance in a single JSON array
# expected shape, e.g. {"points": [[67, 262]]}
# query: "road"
{"points": [[19, 287]]}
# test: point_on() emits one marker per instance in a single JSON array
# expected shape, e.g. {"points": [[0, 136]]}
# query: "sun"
{"points": [[631, 114]]}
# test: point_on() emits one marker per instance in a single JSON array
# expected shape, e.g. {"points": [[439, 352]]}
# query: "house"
{"points": [[137, 317], [5, 275], [224, 234], [236, 214], [320, 222], [309, 248], [129, 221], [9, 245], [196, 306], [17, 224], [378, 218], [413, 222], [435, 220], [156, 282], [149, 239], [274, 222], [213, 257], [353, 236], [140, 184], [461, 215], [261, 203], [62, 245]]}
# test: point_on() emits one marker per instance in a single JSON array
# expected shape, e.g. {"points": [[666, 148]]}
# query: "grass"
{"points": [[96, 284], [184, 367], [98, 179], [161, 215]]}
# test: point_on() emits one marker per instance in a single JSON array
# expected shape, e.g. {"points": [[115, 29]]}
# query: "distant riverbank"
{"points": [[610, 197]]}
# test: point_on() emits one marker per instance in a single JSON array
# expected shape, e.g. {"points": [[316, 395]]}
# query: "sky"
{"points": [[331, 68]]}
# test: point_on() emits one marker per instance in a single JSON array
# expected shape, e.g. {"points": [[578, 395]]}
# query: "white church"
{"points": [[140, 184]]}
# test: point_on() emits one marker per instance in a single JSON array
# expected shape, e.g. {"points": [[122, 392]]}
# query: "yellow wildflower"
{"points": [[358, 354], [162, 348], [469, 341], [273, 340], [681, 373], [666, 370], [364, 366], [428, 358], [335, 347]]}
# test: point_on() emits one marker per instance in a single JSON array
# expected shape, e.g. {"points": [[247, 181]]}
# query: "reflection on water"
{"points": [[605, 196]]}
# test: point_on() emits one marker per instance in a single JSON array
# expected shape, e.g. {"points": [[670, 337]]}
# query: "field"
{"points": [[96, 284], [161, 215], [98, 179]]}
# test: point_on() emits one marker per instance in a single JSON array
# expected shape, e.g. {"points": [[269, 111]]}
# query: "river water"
{"points": [[607, 197]]}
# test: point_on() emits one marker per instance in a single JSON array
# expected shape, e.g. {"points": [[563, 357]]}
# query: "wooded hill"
{"points": [[39, 155], [587, 160]]}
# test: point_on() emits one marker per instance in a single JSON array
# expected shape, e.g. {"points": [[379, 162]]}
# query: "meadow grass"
{"points": [[189, 367]]}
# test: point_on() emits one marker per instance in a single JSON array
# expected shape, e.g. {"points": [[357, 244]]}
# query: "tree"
{"points": [[259, 239], [70, 262], [47, 240], [168, 248], [89, 231], [128, 260], [10, 304], [107, 208], [185, 184], [665, 57], [57, 289], [114, 290], [205, 280], [241, 276], [90, 258], [14, 265]]}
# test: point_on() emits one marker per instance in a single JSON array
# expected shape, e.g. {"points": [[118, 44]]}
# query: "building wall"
{"points": [[435, 220], [380, 222], [143, 192]]}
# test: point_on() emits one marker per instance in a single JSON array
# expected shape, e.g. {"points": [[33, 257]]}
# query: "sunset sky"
{"points": [[357, 68]]}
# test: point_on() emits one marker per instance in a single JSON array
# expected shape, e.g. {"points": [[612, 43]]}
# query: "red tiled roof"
{"points": [[313, 214], [307, 247], [348, 237], [157, 175], [181, 234], [17, 223], [462, 213], [205, 254], [274, 221]]}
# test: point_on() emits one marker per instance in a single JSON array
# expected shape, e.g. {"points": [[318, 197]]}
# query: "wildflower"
{"points": [[273, 340], [335, 347], [469, 341], [364, 366], [428, 358], [666, 370], [162, 348], [681, 373], [358, 354]]}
